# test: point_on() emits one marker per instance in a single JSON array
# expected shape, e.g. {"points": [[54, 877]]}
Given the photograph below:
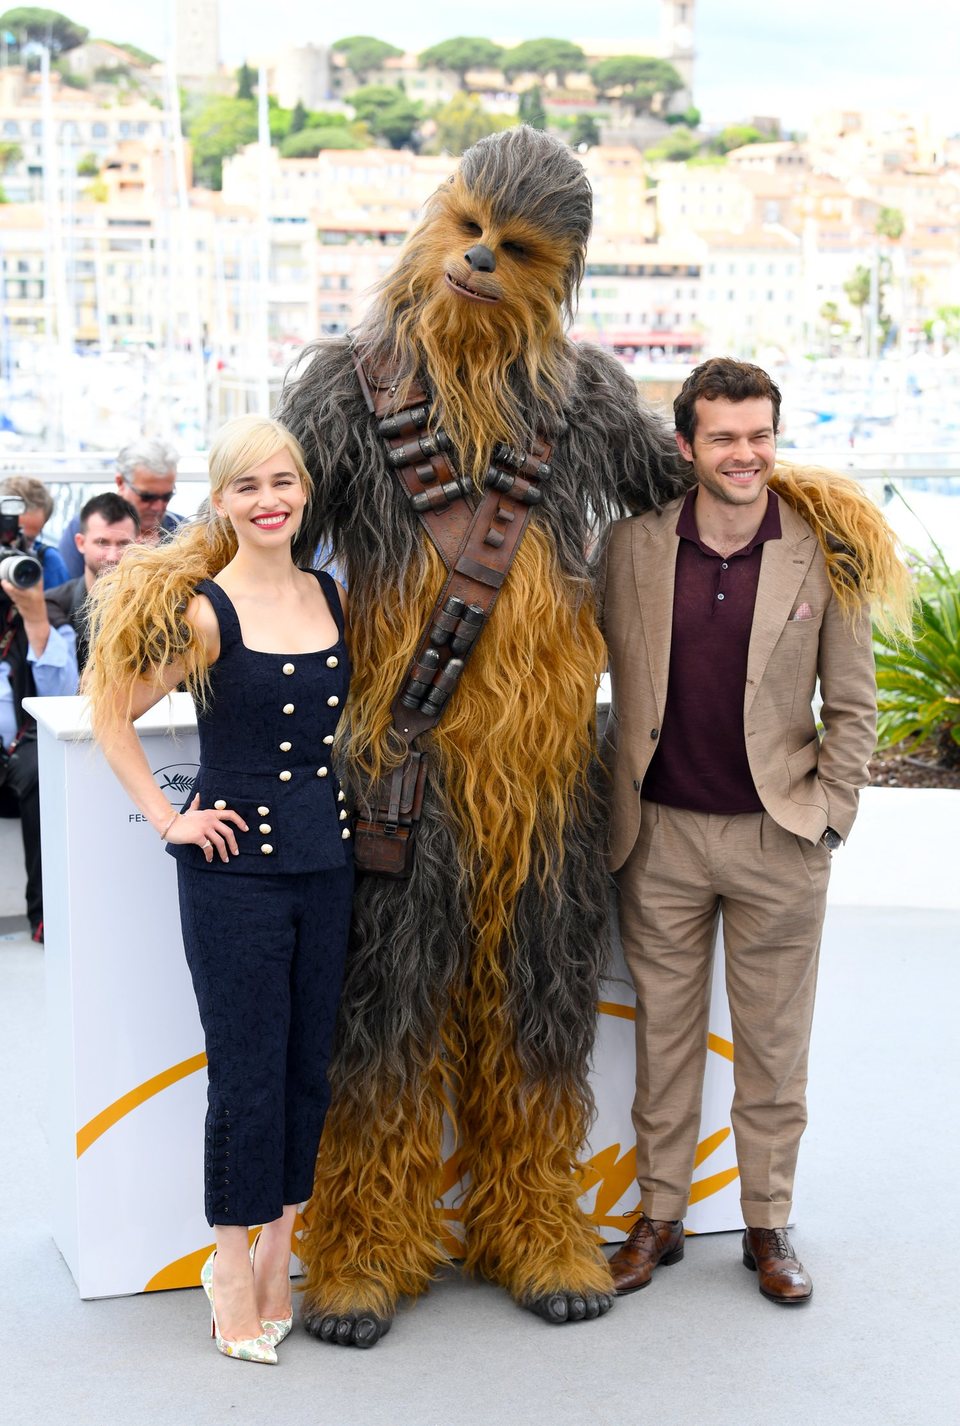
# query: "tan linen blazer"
{"points": [[805, 782]]}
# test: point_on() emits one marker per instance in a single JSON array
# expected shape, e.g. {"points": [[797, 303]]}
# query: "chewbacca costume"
{"points": [[473, 984]]}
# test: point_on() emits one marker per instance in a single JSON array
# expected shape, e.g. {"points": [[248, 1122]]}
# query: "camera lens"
{"points": [[22, 571]]}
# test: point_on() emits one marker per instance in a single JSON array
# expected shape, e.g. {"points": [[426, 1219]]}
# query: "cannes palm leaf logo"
{"points": [[176, 779]]}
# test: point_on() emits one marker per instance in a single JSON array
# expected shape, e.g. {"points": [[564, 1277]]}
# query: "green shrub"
{"points": [[918, 684], [309, 142]]}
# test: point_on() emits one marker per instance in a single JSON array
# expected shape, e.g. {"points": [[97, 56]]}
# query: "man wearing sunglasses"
{"points": [[146, 476]]}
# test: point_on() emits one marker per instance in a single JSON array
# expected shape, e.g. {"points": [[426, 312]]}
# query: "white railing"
{"points": [[930, 480], [84, 467]]}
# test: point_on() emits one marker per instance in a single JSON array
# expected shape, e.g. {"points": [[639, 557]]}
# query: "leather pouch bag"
{"points": [[384, 843]]}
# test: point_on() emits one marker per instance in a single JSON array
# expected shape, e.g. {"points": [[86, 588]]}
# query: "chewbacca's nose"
{"points": [[480, 259]]}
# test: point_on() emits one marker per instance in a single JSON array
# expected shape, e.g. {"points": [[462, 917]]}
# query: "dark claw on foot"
{"points": [[559, 1307], [367, 1331], [348, 1329]]}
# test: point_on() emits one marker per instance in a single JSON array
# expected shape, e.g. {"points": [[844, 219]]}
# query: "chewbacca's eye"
{"points": [[474, 229], [516, 250]]}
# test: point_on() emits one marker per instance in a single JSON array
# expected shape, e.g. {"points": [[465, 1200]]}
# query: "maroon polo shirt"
{"points": [[701, 759]]}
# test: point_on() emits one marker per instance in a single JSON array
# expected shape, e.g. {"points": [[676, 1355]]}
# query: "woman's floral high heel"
{"points": [[248, 1349], [274, 1329]]}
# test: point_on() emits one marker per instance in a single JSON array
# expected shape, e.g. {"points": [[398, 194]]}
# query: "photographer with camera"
{"points": [[37, 509], [38, 658]]}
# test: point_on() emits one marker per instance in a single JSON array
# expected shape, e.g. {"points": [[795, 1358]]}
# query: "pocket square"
{"points": [[803, 611]]}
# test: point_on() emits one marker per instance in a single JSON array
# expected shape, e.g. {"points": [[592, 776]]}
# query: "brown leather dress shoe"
{"points": [[653, 1243], [781, 1275]]}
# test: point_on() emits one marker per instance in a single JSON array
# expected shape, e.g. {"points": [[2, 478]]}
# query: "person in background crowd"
{"points": [[146, 477], [721, 611], [263, 845], [39, 507], [36, 660], [108, 526]]}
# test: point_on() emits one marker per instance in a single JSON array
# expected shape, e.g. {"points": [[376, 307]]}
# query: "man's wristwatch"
{"points": [[832, 839]]}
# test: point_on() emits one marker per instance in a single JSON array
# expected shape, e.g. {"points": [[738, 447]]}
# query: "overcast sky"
{"points": [[753, 56]]}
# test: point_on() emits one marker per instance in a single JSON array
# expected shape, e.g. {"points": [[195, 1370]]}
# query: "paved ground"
{"points": [[877, 1227]]}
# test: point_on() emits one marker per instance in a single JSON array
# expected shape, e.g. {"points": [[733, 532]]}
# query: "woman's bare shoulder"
{"points": [[201, 615]]}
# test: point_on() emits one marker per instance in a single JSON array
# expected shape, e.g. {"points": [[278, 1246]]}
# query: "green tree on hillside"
{"points": [[676, 147], [308, 142], [857, 287], [298, 119], [462, 122], [10, 154], [637, 81], [737, 136], [31, 25], [691, 117], [530, 109], [387, 112], [217, 129], [543, 57], [461, 54], [364, 53], [950, 317], [135, 52], [890, 224], [858, 290], [585, 130], [246, 80]]}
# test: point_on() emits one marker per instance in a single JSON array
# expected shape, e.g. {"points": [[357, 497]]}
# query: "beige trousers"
{"points": [[771, 886]]}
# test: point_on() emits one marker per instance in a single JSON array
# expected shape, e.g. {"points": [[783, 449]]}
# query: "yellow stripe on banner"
{"points": [[185, 1272], [717, 1043], [114, 1112], [611, 1007], [720, 1046], [706, 1146]]}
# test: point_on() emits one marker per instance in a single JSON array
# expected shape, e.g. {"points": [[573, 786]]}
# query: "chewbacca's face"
{"points": [[484, 284], [492, 260]]}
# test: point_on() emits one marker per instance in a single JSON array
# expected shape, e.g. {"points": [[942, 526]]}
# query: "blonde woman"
{"points": [[264, 857]]}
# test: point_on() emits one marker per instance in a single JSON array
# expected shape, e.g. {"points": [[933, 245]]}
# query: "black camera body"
{"points": [[17, 567]]}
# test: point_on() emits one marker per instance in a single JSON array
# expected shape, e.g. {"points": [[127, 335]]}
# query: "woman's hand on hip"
{"points": [[209, 829]]}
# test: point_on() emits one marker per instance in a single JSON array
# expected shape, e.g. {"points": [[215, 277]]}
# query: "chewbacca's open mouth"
{"points": [[464, 291]]}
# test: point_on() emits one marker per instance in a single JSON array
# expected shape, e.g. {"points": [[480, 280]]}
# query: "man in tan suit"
{"points": [[720, 613]]}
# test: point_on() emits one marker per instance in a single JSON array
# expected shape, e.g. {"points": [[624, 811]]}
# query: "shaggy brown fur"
{"points": [[474, 985]]}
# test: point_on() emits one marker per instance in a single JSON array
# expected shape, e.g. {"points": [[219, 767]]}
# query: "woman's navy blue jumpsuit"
{"points": [[265, 933]]}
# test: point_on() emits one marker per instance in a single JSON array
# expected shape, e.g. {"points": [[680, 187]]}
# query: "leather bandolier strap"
{"points": [[477, 538]]}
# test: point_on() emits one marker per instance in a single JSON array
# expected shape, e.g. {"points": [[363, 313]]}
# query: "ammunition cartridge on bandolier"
{"points": [[404, 423], [514, 486], [467, 629], [421, 678], [447, 621], [444, 686], [437, 498], [522, 462], [412, 452]]}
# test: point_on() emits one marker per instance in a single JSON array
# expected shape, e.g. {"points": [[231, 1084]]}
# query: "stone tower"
{"points": [[676, 35], [198, 38]]}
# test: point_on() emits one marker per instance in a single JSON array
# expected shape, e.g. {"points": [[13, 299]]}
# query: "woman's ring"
{"points": [[205, 845]]}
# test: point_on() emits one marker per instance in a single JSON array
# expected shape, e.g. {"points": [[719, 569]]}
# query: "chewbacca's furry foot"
{"points": [[559, 1307], [346, 1329]]}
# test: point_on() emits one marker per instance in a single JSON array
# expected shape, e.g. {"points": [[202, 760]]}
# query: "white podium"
{"points": [[126, 1063]]}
